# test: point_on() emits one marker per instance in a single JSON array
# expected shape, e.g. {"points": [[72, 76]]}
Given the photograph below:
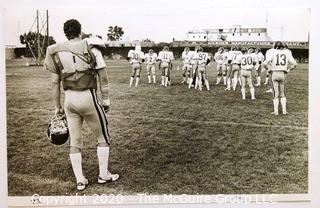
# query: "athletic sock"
{"points": [[76, 162], [283, 101], [103, 158], [166, 81], [228, 83], [218, 80], [149, 79], [137, 81], [259, 81], [190, 82], [207, 84], [234, 83], [276, 105], [196, 83], [131, 81], [252, 93], [162, 80], [243, 92], [224, 80], [154, 79]]}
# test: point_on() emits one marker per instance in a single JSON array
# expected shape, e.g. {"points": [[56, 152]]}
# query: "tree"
{"points": [[30, 40], [115, 33]]}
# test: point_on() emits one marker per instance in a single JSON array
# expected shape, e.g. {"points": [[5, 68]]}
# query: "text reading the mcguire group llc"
{"points": [[144, 198]]}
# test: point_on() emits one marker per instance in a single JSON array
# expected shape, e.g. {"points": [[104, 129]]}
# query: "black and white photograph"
{"points": [[142, 98]]}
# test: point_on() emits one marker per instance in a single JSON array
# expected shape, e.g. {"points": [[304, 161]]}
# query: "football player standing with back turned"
{"points": [[186, 64], [247, 63], [165, 57], [278, 62], [203, 59], [80, 67], [151, 59], [135, 58]]}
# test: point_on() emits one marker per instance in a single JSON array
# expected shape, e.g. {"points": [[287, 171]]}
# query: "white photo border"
{"points": [[281, 200]]}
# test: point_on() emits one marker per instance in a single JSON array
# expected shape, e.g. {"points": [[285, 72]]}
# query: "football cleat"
{"points": [[57, 131], [275, 113], [109, 178], [82, 185], [270, 90]]}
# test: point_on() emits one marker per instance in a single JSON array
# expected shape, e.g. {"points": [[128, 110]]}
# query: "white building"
{"points": [[235, 33]]}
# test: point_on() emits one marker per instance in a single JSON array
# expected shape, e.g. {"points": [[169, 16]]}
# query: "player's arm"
{"points": [[267, 62], [129, 55], [103, 84], [50, 65], [142, 57], [55, 87], [230, 57], [292, 63], [208, 59], [102, 78], [254, 60]]}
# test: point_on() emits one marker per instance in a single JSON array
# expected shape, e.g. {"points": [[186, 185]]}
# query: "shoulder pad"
{"points": [[94, 41]]}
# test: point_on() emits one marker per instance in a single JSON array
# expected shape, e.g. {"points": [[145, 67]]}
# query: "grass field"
{"points": [[164, 140]]}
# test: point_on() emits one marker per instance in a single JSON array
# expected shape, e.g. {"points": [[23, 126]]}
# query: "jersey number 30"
{"points": [[247, 60]]}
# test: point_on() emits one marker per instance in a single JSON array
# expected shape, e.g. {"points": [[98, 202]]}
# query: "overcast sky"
{"points": [[162, 20]]}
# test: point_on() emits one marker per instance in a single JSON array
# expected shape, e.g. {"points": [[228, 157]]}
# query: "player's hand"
{"points": [[58, 111], [106, 105]]}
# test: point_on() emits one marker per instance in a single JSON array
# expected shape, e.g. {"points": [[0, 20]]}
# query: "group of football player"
{"points": [[233, 66]]}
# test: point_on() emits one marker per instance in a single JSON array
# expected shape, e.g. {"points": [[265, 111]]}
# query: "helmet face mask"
{"points": [[57, 131]]}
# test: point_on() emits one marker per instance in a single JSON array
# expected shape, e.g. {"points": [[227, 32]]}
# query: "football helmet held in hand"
{"points": [[58, 132]]}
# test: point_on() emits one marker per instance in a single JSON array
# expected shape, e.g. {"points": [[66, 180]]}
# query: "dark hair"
{"points": [[244, 49], [72, 28], [278, 45]]}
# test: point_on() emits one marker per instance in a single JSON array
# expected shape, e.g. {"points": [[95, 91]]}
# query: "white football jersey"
{"points": [[260, 57], [225, 57], [234, 57], [135, 56], [191, 57], [280, 59], [247, 61], [186, 57], [150, 58], [219, 58], [201, 58], [165, 56], [269, 52]]}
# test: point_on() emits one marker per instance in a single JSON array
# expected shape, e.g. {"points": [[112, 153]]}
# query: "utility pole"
{"points": [[48, 29], [38, 40]]}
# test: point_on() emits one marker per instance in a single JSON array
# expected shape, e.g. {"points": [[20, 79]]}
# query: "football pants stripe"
{"points": [[101, 119]]}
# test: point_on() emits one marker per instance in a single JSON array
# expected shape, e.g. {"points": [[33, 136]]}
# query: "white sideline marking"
{"points": [[212, 122]]}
